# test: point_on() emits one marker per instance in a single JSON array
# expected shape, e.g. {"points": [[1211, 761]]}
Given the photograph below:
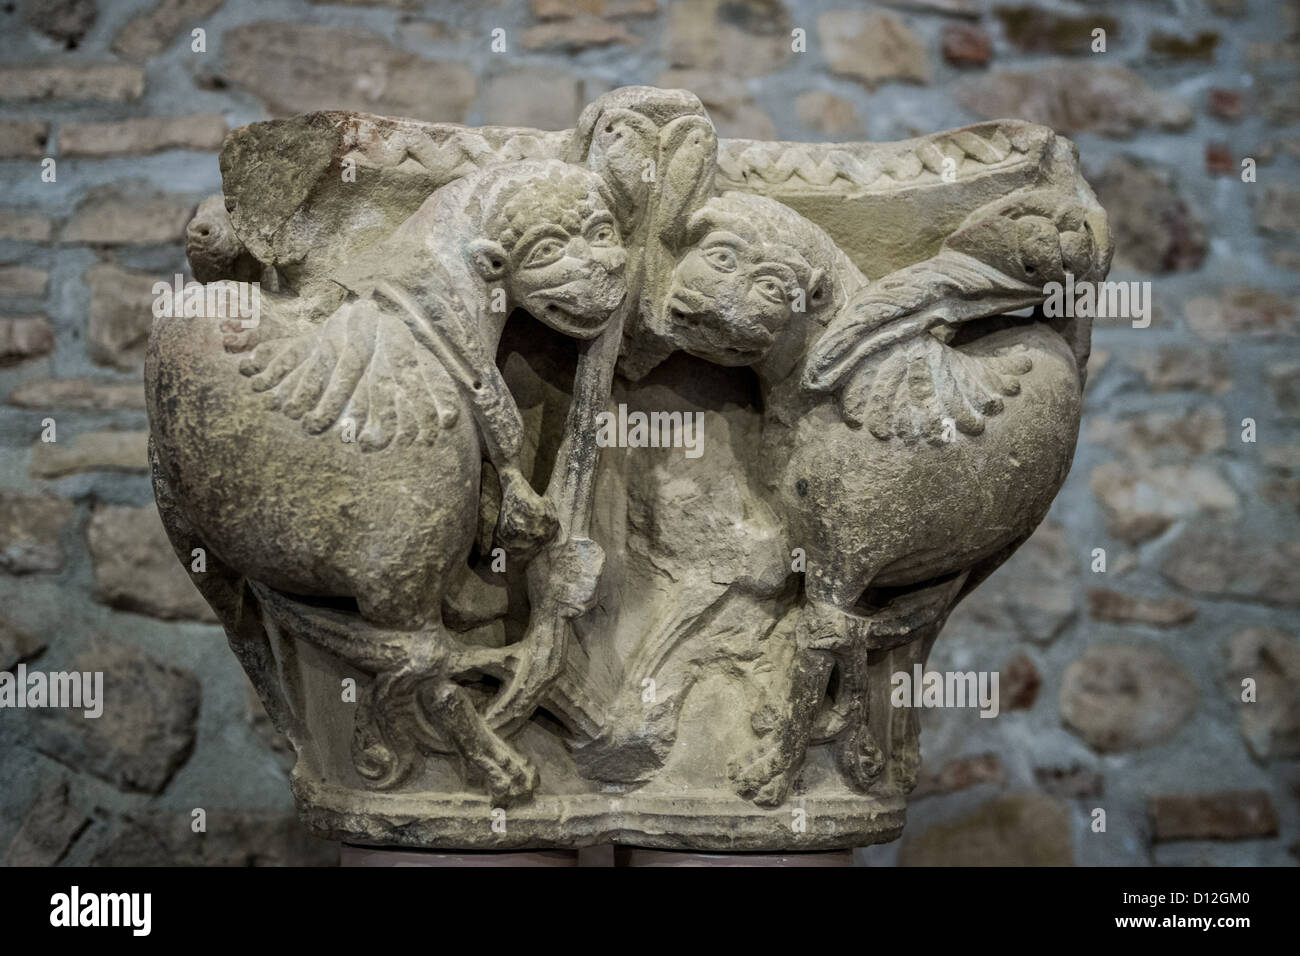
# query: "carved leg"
{"points": [[905, 722], [382, 752], [907, 625], [856, 745], [441, 716], [857, 750], [766, 775], [507, 775], [413, 703]]}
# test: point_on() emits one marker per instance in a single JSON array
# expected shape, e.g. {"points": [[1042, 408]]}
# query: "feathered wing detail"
{"points": [[898, 380], [894, 377], [949, 288], [924, 390], [439, 323], [364, 364]]}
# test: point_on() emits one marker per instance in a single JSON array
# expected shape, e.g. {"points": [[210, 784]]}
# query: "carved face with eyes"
{"points": [[557, 252], [739, 284]]}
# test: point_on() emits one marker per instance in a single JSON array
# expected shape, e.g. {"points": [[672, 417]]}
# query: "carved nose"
{"points": [[614, 262], [688, 304]]}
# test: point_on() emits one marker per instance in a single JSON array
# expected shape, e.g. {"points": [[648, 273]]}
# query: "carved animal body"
{"points": [[389, 406], [318, 522], [904, 503], [893, 513]]}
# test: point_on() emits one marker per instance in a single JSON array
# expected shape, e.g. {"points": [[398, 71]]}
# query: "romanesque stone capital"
{"points": [[561, 488]]}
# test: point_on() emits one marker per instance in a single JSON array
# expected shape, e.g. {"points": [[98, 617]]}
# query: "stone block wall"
{"points": [[1121, 689]]}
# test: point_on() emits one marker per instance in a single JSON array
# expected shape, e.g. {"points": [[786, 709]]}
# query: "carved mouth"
{"points": [[701, 331], [688, 312], [724, 356], [577, 324]]}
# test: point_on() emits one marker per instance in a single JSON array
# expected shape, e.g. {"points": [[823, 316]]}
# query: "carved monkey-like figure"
{"points": [[900, 504], [406, 364]]}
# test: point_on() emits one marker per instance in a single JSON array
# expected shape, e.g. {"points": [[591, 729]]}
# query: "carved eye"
{"points": [[721, 258], [602, 234], [771, 288], [544, 252]]}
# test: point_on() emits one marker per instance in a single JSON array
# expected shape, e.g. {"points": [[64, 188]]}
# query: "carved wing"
{"points": [[924, 384], [364, 364], [894, 376], [943, 290]]}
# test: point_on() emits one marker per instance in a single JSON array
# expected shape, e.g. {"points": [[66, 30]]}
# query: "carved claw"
{"points": [[510, 779], [574, 574], [765, 775], [821, 632], [527, 520], [538, 660], [860, 757], [506, 774]]}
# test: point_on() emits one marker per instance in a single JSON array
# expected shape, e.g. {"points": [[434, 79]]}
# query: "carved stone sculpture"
{"points": [[590, 486]]}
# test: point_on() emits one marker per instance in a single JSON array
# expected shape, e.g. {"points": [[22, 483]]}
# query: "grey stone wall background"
{"points": [[1120, 690]]}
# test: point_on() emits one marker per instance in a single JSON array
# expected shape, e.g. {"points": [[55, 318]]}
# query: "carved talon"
{"points": [[764, 776], [860, 758], [574, 573], [511, 780], [538, 660], [527, 520], [508, 776]]}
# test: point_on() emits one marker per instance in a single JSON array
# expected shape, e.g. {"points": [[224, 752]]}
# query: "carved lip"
{"points": [[574, 323]]}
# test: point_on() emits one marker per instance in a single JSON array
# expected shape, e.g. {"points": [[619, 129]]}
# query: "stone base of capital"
{"points": [[353, 855], [710, 822], [640, 856]]}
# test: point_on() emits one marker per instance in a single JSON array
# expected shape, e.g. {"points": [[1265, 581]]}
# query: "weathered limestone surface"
{"points": [[481, 624]]}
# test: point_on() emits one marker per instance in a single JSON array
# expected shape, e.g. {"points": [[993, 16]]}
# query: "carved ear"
{"points": [[489, 258], [699, 224], [688, 151], [621, 146]]}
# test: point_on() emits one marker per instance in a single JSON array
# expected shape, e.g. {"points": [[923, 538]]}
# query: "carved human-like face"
{"points": [[732, 293], [560, 256]]}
